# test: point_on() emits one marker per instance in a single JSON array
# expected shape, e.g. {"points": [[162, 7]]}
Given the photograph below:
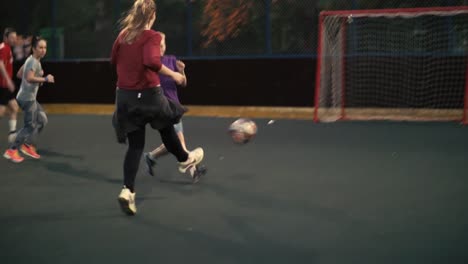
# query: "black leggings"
{"points": [[136, 143]]}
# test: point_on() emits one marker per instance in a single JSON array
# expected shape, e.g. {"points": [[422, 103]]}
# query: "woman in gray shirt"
{"points": [[35, 118]]}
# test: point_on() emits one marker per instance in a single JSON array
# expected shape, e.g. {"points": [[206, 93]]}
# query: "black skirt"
{"points": [[136, 108]]}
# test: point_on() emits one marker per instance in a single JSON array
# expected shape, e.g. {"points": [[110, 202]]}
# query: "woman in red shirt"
{"points": [[140, 99]]}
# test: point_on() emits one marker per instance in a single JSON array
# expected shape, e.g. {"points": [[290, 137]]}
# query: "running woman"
{"points": [[35, 119], [140, 99]]}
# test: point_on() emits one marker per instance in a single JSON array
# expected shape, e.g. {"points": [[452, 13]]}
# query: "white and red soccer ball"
{"points": [[242, 130]]}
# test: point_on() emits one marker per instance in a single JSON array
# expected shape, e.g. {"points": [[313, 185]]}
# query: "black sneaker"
{"points": [[196, 172], [149, 164]]}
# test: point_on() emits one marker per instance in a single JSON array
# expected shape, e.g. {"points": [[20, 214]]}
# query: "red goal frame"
{"points": [[377, 13]]}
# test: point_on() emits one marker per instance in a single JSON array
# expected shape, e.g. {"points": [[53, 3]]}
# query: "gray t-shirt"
{"points": [[28, 91]]}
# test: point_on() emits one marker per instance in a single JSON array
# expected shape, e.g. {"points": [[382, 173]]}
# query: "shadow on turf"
{"points": [[66, 169], [51, 153]]}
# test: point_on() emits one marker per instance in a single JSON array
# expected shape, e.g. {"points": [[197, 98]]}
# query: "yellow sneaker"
{"points": [[127, 201]]}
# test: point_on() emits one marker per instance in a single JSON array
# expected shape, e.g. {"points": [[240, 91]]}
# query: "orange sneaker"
{"points": [[13, 155], [30, 150]]}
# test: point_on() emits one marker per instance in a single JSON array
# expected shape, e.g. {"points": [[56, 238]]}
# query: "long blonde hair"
{"points": [[136, 19]]}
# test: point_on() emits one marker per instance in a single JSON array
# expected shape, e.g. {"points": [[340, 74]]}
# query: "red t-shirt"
{"points": [[7, 57], [137, 63]]}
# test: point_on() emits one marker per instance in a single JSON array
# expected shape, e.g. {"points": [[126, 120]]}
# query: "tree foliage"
{"points": [[225, 19]]}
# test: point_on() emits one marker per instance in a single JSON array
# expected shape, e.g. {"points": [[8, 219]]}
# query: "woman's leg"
{"points": [[30, 112], [162, 150], [158, 152], [13, 107], [187, 160], [172, 143], [136, 143], [182, 140], [40, 122]]}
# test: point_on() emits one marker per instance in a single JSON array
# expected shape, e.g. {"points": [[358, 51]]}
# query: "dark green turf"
{"points": [[371, 192]]}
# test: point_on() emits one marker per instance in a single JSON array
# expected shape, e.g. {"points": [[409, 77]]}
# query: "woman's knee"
{"points": [[29, 129], [2, 110], [42, 119], [136, 140], [13, 107]]}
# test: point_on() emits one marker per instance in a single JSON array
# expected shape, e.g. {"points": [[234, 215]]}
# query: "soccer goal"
{"points": [[392, 64]]}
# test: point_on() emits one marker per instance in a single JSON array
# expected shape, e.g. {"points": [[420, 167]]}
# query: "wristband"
{"points": [[46, 80]]}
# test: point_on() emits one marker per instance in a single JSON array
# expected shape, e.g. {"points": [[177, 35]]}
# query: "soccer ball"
{"points": [[242, 130]]}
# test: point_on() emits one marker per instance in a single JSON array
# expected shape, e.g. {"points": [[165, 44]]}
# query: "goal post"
{"points": [[392, 64]]}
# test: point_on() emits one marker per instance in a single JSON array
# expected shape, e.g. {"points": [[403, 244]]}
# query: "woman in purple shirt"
{"points": [[170, 90]]}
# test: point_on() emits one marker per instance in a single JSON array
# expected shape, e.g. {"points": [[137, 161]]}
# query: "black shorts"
{"points": [[135, 109], [5, 96]]}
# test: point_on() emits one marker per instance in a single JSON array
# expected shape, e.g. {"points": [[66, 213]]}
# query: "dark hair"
{"points": [[8, 31], [35, 41]]}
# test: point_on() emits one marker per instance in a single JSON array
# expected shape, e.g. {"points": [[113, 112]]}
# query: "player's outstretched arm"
{"points": [[178, 78]]}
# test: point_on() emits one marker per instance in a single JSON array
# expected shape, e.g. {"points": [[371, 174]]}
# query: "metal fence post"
{"points": [[117, 10], [268, 46], [54, 25], [188, 27]]}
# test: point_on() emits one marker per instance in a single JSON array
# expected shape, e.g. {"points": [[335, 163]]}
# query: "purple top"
{"points": [[168, 84]]}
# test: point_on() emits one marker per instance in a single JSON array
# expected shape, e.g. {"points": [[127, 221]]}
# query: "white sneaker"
{"points": [[195, 157], [127, 201]]}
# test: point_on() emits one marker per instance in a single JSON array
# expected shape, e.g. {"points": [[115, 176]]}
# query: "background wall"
{"points": [[261, 82], [242, 52]]}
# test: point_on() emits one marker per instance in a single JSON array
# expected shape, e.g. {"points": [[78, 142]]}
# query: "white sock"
{"points": [[12, 124]]}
